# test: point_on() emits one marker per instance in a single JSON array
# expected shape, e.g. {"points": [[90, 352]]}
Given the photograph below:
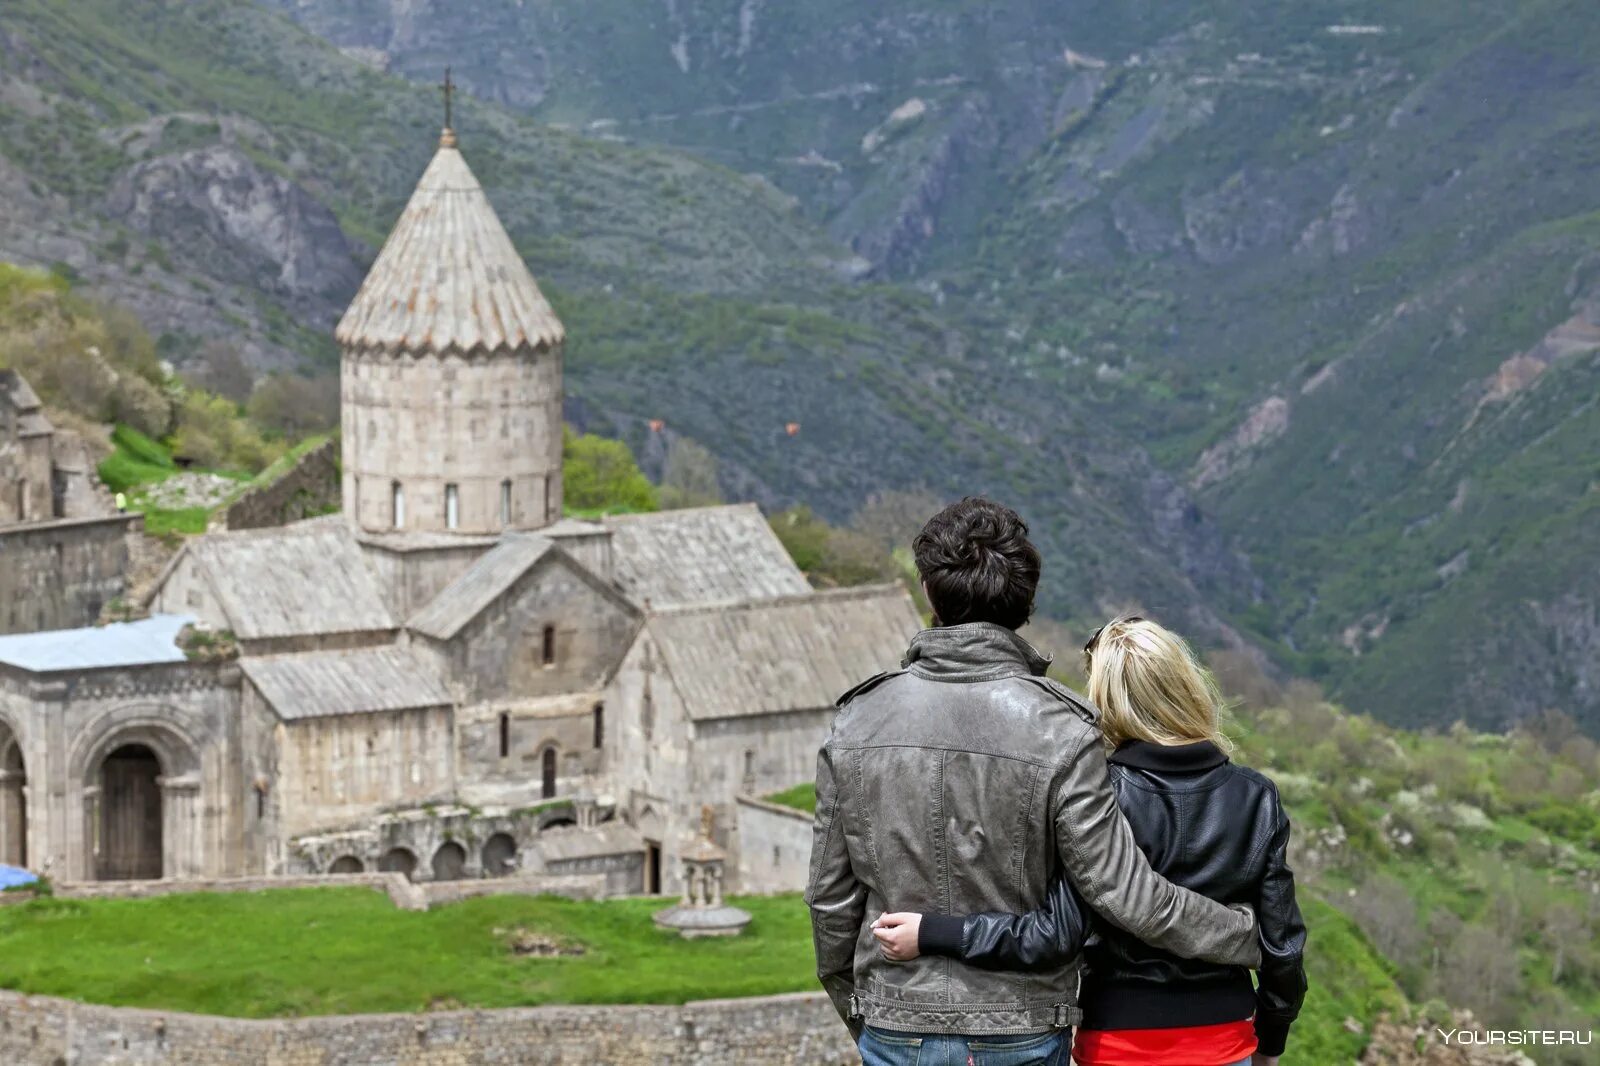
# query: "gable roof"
{"points": [[449, 278], [792, 654], [701, 555], [490, 575], [295, 580], [323, 684]]}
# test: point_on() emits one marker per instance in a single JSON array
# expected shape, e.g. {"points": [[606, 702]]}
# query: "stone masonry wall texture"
{"points": [[795, 1030]]}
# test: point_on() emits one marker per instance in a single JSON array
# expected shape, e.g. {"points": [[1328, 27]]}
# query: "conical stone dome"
{"points": [[450, 377], [448, 277]]}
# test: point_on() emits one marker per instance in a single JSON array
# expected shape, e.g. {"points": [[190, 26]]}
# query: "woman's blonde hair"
{"points": [[1149, 686]]}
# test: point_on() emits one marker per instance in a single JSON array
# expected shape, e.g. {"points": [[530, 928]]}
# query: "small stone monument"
{"points": [[702, 912]]}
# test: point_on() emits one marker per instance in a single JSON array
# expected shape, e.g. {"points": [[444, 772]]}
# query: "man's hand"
{"points": [[897, 936]]}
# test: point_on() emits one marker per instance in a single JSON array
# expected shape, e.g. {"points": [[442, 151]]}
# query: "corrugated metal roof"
{"points": [[149, 640], [701, 555], [793, 654], [448, 277], [322, 684], [490, 575], [305, 578]]}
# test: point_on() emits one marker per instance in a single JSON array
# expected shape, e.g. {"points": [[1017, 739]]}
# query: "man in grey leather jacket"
{"points": [[956, 785]]}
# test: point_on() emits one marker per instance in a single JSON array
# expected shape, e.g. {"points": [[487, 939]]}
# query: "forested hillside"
{"points": [[1280, 321]]}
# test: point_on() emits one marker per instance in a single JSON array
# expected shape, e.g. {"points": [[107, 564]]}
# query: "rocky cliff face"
{"points": [[236, 222]]}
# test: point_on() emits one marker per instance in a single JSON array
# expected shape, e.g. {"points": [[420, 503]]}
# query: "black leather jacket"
{"points": [[958, 784], [1205, 824]]}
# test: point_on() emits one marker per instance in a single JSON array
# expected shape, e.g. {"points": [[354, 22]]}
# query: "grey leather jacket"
{"points": [[959, 784]]}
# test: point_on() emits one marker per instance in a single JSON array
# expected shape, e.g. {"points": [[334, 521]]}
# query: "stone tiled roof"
{"points": [[15, 388], [483, 582], [449, 278], [609, 838], [701, 555], [295, 580], [791, 654], [323, 684]]}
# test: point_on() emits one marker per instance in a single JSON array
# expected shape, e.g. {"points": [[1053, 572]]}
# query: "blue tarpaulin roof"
{"points": [[149, 640], [12, 876]]}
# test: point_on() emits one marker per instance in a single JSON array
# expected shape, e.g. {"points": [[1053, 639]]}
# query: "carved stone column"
{"points": [[13, 819], [181, 832], [89, 853]]}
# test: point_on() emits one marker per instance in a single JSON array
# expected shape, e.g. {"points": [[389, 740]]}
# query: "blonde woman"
{"points": [[1206, 824]]}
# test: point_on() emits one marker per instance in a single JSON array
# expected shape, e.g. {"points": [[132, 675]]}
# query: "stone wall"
{"points": [[773, 851], [59, 574], [487, 426], [401, 891], [307, 488], [795, 1030]]}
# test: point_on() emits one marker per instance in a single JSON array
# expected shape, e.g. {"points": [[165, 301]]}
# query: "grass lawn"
{"points": [[348, 950], [801, 797], [338, 951]]}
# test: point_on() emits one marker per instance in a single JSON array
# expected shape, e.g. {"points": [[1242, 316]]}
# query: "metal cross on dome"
{"points": [[449, 90]]}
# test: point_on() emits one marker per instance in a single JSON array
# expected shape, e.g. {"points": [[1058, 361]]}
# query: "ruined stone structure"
{"points": [[448, 680], [63, 547]]}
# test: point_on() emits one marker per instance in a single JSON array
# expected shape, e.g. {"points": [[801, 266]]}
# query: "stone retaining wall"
{"points": [[404, 894], [795, 1030]]}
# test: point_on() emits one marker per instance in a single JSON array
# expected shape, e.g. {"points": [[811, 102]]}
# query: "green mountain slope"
{"points": [[227, 175], [1276, 319], [1332, 263]]}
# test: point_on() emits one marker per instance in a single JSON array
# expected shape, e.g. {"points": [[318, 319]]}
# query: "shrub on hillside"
{"points": [[599, 474]]}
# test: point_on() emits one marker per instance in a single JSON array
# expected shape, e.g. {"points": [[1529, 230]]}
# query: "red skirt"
{"points": [[1194, 1045]]}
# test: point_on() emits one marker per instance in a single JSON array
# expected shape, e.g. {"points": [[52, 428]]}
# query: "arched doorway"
{"points": [[13, 801], [547, 779], [499, 856], [398, 860], [347, 864], [130, 815], [449, 861]]}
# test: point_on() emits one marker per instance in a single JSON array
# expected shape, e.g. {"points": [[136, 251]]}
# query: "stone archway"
{"points": [[130, 830], [141, 781], [346, 864], [449, 861], [13, 800], [499, 855], [398, 860]]}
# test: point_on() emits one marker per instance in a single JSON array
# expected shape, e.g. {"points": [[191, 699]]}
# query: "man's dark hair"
{"points": [[977, 564]]}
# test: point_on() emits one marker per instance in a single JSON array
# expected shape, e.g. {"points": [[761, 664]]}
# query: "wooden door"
{"points": [[130, 816]]}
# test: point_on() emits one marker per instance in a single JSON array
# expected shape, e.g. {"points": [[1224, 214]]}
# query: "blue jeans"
{"points": [[882, 1047]]}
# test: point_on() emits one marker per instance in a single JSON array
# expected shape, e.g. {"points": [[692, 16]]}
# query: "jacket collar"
{"points": [[1171, 758], [975, 651]]}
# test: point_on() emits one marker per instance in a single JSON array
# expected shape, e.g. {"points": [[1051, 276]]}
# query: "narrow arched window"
{"points": [[397, 505], [599, 726], [549, 649], [505, 735], [452, 507], [505, 502], [548, 773]]}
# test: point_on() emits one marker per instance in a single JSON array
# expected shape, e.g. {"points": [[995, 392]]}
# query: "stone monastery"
{"points": [[449, 678]]}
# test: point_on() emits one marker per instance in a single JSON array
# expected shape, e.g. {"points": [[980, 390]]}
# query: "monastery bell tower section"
{"points": [[450, 378]]}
